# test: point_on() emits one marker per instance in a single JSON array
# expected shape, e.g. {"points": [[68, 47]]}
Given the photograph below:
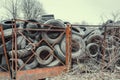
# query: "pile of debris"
{"points": [[49, 48]]}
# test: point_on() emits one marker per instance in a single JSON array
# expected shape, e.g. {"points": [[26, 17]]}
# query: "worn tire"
{"points": [[31, 26], [93, 49], [52, 36], [31, 65], [59, 53], [41, 52], [78, 46], [78, 31], [7, 24], [21, 53], [53, 63], [95, 38], [8, 47]]}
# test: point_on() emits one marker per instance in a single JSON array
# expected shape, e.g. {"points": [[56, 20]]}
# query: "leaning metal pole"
{"points": [[103, 47], [68, 47]]}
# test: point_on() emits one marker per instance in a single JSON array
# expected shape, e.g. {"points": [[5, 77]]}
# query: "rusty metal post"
{"points": [[68, 47], [4, 47], [15, 33], [15, 38], [4, 75], [103, 48]]}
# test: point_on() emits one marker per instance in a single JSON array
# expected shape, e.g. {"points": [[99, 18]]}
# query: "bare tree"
{"points": [[114, 16], [12, 8], [32, 9]]}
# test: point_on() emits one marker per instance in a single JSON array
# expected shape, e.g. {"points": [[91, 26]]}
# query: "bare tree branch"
{"points": [[115, 16], [12, 8], [31, 9]]}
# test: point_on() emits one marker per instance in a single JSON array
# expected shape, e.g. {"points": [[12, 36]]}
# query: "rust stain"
{"points": [[4, 75], [40, 73]]}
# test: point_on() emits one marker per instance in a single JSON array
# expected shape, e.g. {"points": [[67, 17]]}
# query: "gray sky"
{"points": [[79, 10]]}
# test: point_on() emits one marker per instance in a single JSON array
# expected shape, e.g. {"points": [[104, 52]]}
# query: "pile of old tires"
{"points": [[51, 51], [103, 46]]}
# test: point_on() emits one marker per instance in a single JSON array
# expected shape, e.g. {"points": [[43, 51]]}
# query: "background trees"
{"points": [[27, 9], [31, 9], [12, 8]]}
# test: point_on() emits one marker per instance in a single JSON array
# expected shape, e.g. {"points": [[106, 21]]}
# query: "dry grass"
{"points": [[93, 69], [88, 76], [84, 72]]}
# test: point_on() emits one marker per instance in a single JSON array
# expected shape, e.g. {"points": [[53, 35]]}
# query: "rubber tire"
{"points": [[39, 51], [31, 65], [78, 31], [79, 42], [7, 24], [28, 33], [21, 53], [3, 62], [21, 42], [88, 49], [93, 37], [59, 53], [56, 23], [54, 63], [7, 32], [8, 47]]}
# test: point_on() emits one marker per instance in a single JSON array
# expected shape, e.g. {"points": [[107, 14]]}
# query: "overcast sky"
{"points": [[79, 10]]}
